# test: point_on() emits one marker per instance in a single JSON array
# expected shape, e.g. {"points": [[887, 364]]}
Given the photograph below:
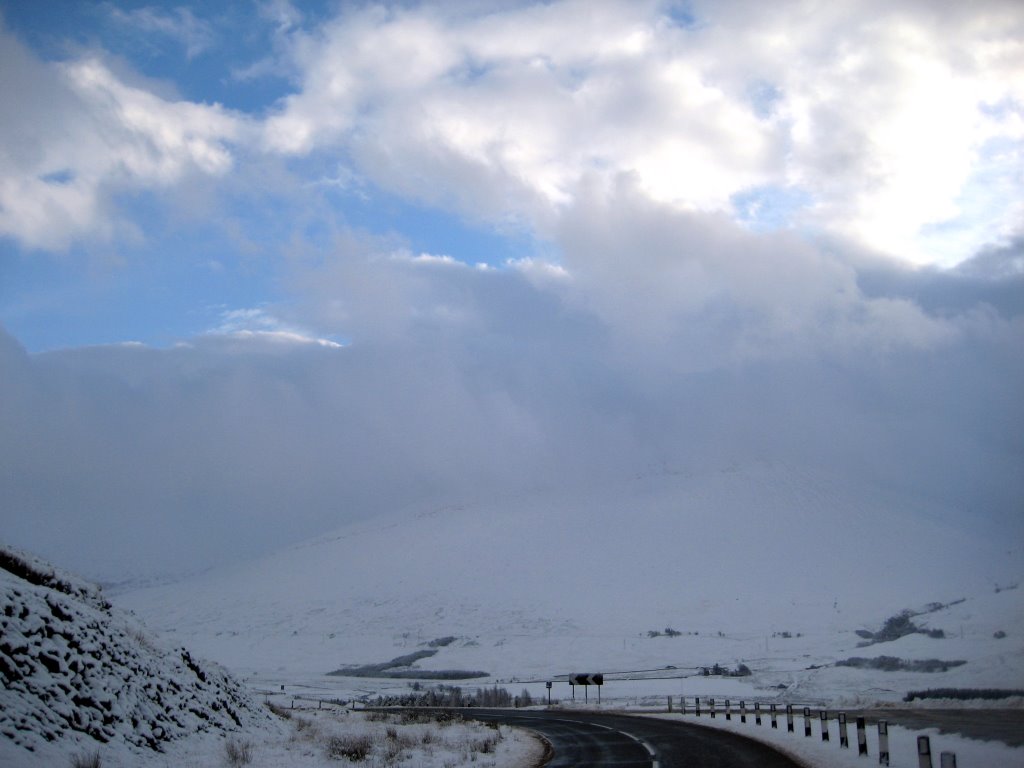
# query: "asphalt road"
{"points": [[602, 739]]}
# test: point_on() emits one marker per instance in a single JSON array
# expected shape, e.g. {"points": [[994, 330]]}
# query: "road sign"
{"points": [[593, 679]]}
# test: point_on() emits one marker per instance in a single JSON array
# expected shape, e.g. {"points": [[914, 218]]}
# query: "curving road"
{"points": [[602, 739]]}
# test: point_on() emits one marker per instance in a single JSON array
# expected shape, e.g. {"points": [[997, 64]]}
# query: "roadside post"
{"points": [[823, 716], [789, 718], [807, 722], [862, 737], [844, 740], [757, 713], [775, 722], [883, 742], [924, 752]]}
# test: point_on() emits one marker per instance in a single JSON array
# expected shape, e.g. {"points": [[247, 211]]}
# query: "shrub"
{"points": [[353, 748], [238, 753], [999, 634], [279, 711], [91, 760]]}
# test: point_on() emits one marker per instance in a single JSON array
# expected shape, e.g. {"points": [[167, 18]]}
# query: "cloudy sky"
{"points": [[268, 267]]}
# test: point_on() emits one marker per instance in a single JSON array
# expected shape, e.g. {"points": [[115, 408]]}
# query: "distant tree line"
{"points": [[989, 694], [741, 670], [454, 696]]}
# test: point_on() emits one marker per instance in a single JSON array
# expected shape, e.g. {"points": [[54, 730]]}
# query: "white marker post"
{"points": [[844, 739], [775, 722], [947, 760], [924, 752], [711, 708], [757, 713], [823, 716], [728, 710], [862, 736], [883, 742], [743, 711], [807, 722], [789, 718]]}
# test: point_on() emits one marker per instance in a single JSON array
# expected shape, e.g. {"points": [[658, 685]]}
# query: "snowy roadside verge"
{"points": [[815, 753], [316, 738]]}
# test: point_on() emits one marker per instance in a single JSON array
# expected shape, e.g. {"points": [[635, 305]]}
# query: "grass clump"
{"points": [[237, 753], [352, 747], [90, 760]]}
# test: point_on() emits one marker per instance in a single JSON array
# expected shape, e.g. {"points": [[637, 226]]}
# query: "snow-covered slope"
{"points": [[554, 581], [79, 673]]}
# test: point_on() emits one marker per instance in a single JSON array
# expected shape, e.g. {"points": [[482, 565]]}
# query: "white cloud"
{"points": [[879, 112], [257, 323], [893, 125], [80, 135], [179, 24]]}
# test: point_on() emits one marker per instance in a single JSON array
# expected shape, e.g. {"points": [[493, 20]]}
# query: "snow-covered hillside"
{"points": [[79, 674], [764, 565]]}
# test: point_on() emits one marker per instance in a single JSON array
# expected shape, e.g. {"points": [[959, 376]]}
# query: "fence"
{"points": [[824, 717]]}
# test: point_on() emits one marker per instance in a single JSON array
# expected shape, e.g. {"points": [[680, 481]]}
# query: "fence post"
{"points": [[924, 752], [743, 711], [807, 722], [844, 740], [883, 742], [823, 716], [862, 737], [757, 713], [947, 760], [789, 718], [728, 710], [775, 723], [711, 708]]}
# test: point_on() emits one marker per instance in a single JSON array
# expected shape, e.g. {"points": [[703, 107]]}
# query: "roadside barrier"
{"points": [[924, 749]]}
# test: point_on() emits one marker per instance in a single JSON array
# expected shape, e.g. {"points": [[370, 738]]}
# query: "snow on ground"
{"points": [[76, 672], [767, 566], [815, 753], [535, 587], [320, 737], [763, 566], [82, 679]]}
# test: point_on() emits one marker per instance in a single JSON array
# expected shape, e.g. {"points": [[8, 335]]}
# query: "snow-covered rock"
{"points": [[75, 670]]}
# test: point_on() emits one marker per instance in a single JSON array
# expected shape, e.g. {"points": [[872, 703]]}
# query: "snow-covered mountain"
{"points": [[764, 565], [78, 674]]}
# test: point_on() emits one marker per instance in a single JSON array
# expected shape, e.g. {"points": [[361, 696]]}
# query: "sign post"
{"points": [[586, 681]]}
